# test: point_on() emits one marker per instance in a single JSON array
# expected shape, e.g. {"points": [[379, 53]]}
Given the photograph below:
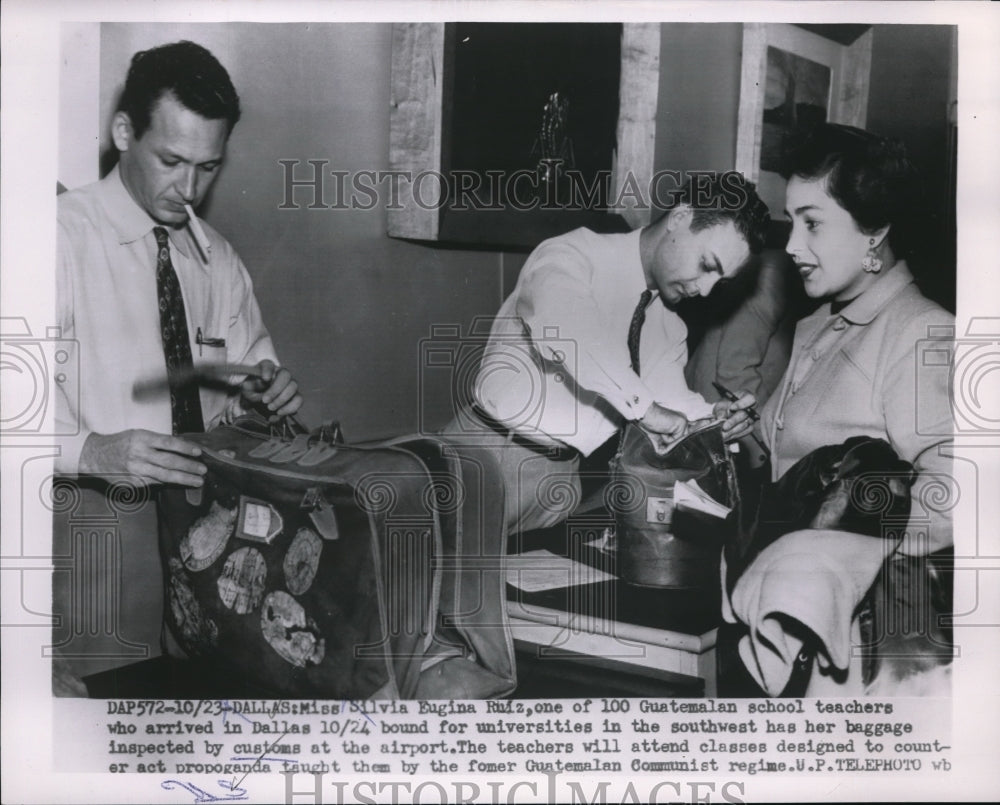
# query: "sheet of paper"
{"points": [[540, 570], [693, 496]]}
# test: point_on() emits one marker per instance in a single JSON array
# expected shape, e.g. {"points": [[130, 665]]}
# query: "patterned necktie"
{"points": [[185, 405], [635, 328]]}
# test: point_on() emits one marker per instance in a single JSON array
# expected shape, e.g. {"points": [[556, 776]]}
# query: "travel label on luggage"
{"points": [[259, 521], [290, 632], [207, 538], [301, 561], [197, 632], [241, 584]]}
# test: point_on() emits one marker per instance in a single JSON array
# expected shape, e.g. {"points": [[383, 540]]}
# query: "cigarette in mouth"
{"points": [[199, 233]]}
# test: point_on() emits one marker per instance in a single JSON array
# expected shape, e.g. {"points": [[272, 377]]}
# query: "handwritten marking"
{"points": [[257, 762], [227, 708], [201, 795], [268, 759]]}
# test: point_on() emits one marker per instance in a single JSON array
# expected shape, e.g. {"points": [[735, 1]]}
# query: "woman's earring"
{"points": [[871, 262]]}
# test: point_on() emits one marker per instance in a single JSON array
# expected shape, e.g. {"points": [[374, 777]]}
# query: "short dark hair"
{"points": [[869, 176], [187, 71], [716, 198]]}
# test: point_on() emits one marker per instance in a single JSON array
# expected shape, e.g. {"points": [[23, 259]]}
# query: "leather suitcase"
{"points": [[660, 545], [312, 569]]}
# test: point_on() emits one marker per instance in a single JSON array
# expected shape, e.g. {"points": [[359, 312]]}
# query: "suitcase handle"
{"points": [[254, 424]]}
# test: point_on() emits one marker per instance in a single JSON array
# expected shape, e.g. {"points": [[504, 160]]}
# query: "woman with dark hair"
{"points": [[865, 363]]}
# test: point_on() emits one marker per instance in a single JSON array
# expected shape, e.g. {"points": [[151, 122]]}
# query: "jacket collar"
{"points": [[866, 307], [129, 221]]}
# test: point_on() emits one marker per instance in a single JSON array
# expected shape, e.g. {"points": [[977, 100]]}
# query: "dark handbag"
{"points": [[660, 545], [308, 568], [863, 487], [857, 486]]}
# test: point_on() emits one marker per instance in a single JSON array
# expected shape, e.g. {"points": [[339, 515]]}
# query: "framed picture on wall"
{"points": [[793, 77], [505, 134]]}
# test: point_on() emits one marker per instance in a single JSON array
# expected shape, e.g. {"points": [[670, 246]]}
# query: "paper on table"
{"points": [[692, 496], [540, 570]]}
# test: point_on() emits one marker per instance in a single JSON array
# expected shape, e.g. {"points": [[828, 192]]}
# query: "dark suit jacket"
{"points": [[749, 347]]}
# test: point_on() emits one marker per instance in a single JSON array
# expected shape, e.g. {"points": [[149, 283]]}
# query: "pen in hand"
{"points": [[726, 394], [751, 412]]}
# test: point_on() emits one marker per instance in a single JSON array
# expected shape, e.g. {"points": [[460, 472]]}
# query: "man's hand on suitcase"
{"points": [[663, 427], [144, 455], [273, 388]]}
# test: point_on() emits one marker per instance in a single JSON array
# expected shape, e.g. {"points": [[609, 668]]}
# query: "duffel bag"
{"points": [[307, 568]]}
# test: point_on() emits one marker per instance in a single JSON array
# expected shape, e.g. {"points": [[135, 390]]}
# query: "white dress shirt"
{"points": [[557, 365], [107, 307]]}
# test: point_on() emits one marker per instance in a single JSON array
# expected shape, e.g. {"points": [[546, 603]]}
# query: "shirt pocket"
{"points": [[209, 347]]}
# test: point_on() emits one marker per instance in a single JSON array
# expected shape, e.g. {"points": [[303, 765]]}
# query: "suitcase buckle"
{"points": [[320, 513], [329, 433]]}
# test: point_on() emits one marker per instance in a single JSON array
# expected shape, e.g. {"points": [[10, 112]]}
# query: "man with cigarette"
{"points": [[170, 341], [148, 291]]}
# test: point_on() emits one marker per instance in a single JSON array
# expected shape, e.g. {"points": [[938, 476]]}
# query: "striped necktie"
{"points": [[185, 405], [635, 328]]}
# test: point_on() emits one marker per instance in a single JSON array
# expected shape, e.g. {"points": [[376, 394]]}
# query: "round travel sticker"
{"points": [[302, 560], [241, 584], [290, 632], [207, 538]]}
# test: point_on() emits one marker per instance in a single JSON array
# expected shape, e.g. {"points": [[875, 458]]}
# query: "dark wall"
{"points": [[910, 92]]}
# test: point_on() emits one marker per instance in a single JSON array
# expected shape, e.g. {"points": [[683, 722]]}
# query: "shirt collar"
{"points": [[130, 221], [867, 306]]}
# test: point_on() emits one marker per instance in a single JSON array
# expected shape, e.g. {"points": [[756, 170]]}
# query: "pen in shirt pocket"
{"points": [[202, 341]]}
